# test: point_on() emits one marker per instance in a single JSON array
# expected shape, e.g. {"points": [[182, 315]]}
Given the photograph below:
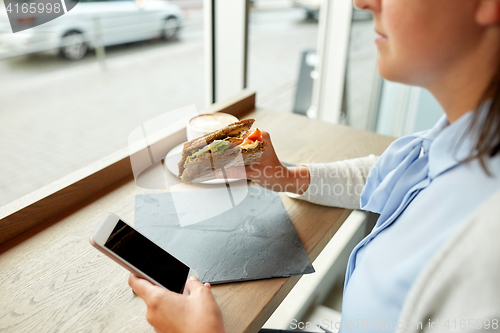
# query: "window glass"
{"points": [[361, 71], [281, 34], [72, 89]]}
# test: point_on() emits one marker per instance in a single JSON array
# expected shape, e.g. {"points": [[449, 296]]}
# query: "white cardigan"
{"points": [[461, 283]]}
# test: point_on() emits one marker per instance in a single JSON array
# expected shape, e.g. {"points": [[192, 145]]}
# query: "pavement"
{"points": [[58, 116]]}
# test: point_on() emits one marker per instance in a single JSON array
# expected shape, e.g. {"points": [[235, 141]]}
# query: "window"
{"points": [[72, 89], [280, 34]]}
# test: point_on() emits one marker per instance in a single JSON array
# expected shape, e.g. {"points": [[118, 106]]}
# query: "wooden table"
{"points": [[52, 279]]}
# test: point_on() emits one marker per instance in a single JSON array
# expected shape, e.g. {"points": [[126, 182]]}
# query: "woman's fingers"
{"points": [[232, 173], [140, 286], [266, 137], [150, 293], [193, 284], [266, 165], [172, 312]]}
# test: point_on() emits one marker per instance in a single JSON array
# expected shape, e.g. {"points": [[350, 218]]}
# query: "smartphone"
{"points": [[139, 255]]}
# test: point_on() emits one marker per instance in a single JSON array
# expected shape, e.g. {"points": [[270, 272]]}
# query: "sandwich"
{"points": [[234, 145]]}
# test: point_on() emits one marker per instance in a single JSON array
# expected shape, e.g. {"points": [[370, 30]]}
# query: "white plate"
{"points": [[172, 162]]}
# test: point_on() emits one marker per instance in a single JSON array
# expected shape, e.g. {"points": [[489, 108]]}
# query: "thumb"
{"points": [[232, 173], [193, 284]]}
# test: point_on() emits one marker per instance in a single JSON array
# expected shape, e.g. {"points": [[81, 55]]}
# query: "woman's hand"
{"points": [[268, 172], [172, 312]]}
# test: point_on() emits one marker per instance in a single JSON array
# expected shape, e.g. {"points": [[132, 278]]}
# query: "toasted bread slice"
{"points": [[232, 130], [204, 168]]}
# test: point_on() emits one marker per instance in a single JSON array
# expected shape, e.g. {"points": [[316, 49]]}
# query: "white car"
{"points": [[312, 7], [92, 23]]}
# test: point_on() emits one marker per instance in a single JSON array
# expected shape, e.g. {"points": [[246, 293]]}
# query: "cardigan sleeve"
{"points": [[337, 184]]}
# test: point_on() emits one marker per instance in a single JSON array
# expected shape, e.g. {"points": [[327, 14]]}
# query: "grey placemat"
{"points": [[254, 240]]}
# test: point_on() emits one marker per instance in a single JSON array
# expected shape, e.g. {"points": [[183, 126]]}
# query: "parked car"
{"points": [[311, 7], [91, 23]]}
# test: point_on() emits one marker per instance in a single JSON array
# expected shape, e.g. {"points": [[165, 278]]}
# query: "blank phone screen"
{"points": [[148, 257]]}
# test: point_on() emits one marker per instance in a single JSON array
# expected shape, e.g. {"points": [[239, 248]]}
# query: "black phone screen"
{"points": [[148, 257]]}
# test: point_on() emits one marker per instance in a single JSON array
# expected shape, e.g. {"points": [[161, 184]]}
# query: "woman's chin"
{"points": [[386, 70], [389, 71]]}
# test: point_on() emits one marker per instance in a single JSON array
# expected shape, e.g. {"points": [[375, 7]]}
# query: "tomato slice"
{"points": [[256, 135], [251, 137], [246, 142]]}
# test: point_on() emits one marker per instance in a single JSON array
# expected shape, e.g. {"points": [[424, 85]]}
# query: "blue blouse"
{"points": [[422, 193]]}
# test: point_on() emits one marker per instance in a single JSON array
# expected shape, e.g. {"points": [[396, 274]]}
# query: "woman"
{"points": [[423, 186]]}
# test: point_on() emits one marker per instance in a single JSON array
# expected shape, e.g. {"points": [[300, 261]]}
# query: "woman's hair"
{"points": [[486, 128]]}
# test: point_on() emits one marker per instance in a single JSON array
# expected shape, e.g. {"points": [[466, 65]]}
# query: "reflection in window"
{"points": [[72, 89]]}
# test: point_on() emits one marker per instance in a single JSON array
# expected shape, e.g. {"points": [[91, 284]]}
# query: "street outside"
{"points": [[58, 116]]}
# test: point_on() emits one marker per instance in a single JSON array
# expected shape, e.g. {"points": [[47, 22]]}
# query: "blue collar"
{"points": [[451, 143], [450, 146]]}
